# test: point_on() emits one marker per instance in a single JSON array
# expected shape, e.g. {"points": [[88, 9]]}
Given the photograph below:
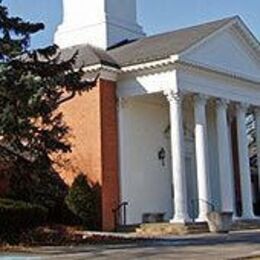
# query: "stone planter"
{"points": [[220, 222], [153, 217]]}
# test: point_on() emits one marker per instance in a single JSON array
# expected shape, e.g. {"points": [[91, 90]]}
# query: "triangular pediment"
{"points": [[228, 51]]}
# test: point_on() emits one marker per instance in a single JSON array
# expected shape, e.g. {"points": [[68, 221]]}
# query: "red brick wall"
{"points": [[82, 114], [109, 137], [92, 118]]}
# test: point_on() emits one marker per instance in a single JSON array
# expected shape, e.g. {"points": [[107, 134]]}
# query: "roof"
{"points": [[88, 55], [147, 49], [164, 45]]}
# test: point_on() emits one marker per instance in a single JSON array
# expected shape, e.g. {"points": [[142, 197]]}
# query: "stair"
{"points": [[159, 229], [172, 229], [127, 228], [246, 225]]}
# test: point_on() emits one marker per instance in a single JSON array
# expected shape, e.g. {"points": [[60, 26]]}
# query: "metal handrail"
{"points": [[117, 211], [213, 207]]}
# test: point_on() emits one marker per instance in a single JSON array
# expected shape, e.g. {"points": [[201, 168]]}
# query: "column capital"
{"points": [[222, 102], [173, 96], [257, 111], [201, 98], [242, 107]]}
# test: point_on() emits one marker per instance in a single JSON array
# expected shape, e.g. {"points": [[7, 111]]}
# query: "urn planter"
{"points": [[220, 222]]}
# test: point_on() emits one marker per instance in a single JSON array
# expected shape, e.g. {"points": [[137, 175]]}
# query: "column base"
{"points": [[202, 218], [248, 217], [235, 218], [178, 220]]}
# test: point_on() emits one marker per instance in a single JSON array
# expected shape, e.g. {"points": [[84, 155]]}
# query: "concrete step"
{"points": [[246, 224], [172, 229], [127, 228], [166, 228]]}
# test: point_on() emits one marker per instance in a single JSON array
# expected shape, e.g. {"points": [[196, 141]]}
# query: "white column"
{"points": [[178, 158], [202, 156], [244, 163], [257, 121], [224, 152]]}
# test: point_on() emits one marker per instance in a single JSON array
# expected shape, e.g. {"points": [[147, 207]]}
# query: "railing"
{"points": [[197, 201], [120, 213]]}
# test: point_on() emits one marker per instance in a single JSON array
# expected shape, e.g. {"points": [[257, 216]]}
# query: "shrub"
{"points": [[83, 200], [18, 215], [41, 187]]}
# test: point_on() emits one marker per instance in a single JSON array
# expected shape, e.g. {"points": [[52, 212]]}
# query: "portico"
{"points": [[226, 174], [199, 146], [203, 102]]}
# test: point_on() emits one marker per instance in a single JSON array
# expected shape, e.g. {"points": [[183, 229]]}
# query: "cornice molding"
{"points": [[200, 98], [173, 96], [111, 73], [162, 63], [243, 107], [106, 72], [219, 71]]}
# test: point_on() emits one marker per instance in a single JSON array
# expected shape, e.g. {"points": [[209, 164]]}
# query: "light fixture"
{"points": [[162, 156]]}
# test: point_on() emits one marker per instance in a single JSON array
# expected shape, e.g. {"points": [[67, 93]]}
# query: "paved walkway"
{"points": [[233, 246]]}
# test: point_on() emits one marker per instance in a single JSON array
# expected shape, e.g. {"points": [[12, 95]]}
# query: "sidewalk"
{"points": [[236, 245]]}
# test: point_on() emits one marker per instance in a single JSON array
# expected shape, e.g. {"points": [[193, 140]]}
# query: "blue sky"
{"points": [[155, 15]]}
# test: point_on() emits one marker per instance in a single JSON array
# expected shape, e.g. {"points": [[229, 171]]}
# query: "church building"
{"points": [[164, 131]]}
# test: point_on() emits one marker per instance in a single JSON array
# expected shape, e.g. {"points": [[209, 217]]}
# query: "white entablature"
{"points": [[222, 65]]}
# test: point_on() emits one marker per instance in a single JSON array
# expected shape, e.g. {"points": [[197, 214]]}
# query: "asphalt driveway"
{"points": [[236, 245]]}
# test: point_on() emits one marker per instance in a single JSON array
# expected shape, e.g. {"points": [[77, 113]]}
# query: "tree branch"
{"points": [[91, 83]]}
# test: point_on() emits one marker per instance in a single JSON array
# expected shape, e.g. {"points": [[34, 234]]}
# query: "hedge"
{"points": [[19, 215]]}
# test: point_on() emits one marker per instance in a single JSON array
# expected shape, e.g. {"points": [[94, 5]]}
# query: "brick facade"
{"points": [[92, 118]]}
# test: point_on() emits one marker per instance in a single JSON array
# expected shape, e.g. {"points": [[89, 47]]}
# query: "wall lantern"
{"points": [[162, 156]]}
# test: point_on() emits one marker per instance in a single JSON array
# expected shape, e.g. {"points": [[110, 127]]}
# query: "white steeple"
{"points": [[102, 23]]}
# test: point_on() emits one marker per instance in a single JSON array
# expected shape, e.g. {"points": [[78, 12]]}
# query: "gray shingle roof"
{"points": [[147, 49], [163, 45], [88, 55]]}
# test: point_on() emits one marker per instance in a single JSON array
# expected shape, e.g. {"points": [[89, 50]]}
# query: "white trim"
{"points": [[92, 68], [106, 72], [111, 73], [216, 85], [236, 32], [207, 38], [246, 32], [150, 65], [240, 26], [218, 70]]}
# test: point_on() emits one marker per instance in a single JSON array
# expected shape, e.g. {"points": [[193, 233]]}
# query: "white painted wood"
{"points": [[178, 158], [145, 183], [215, 197], [202, 156], [225, 170], [244, 164], [226, 50], [154, 82], [218, 87], [101, 23], [257, 120]]}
